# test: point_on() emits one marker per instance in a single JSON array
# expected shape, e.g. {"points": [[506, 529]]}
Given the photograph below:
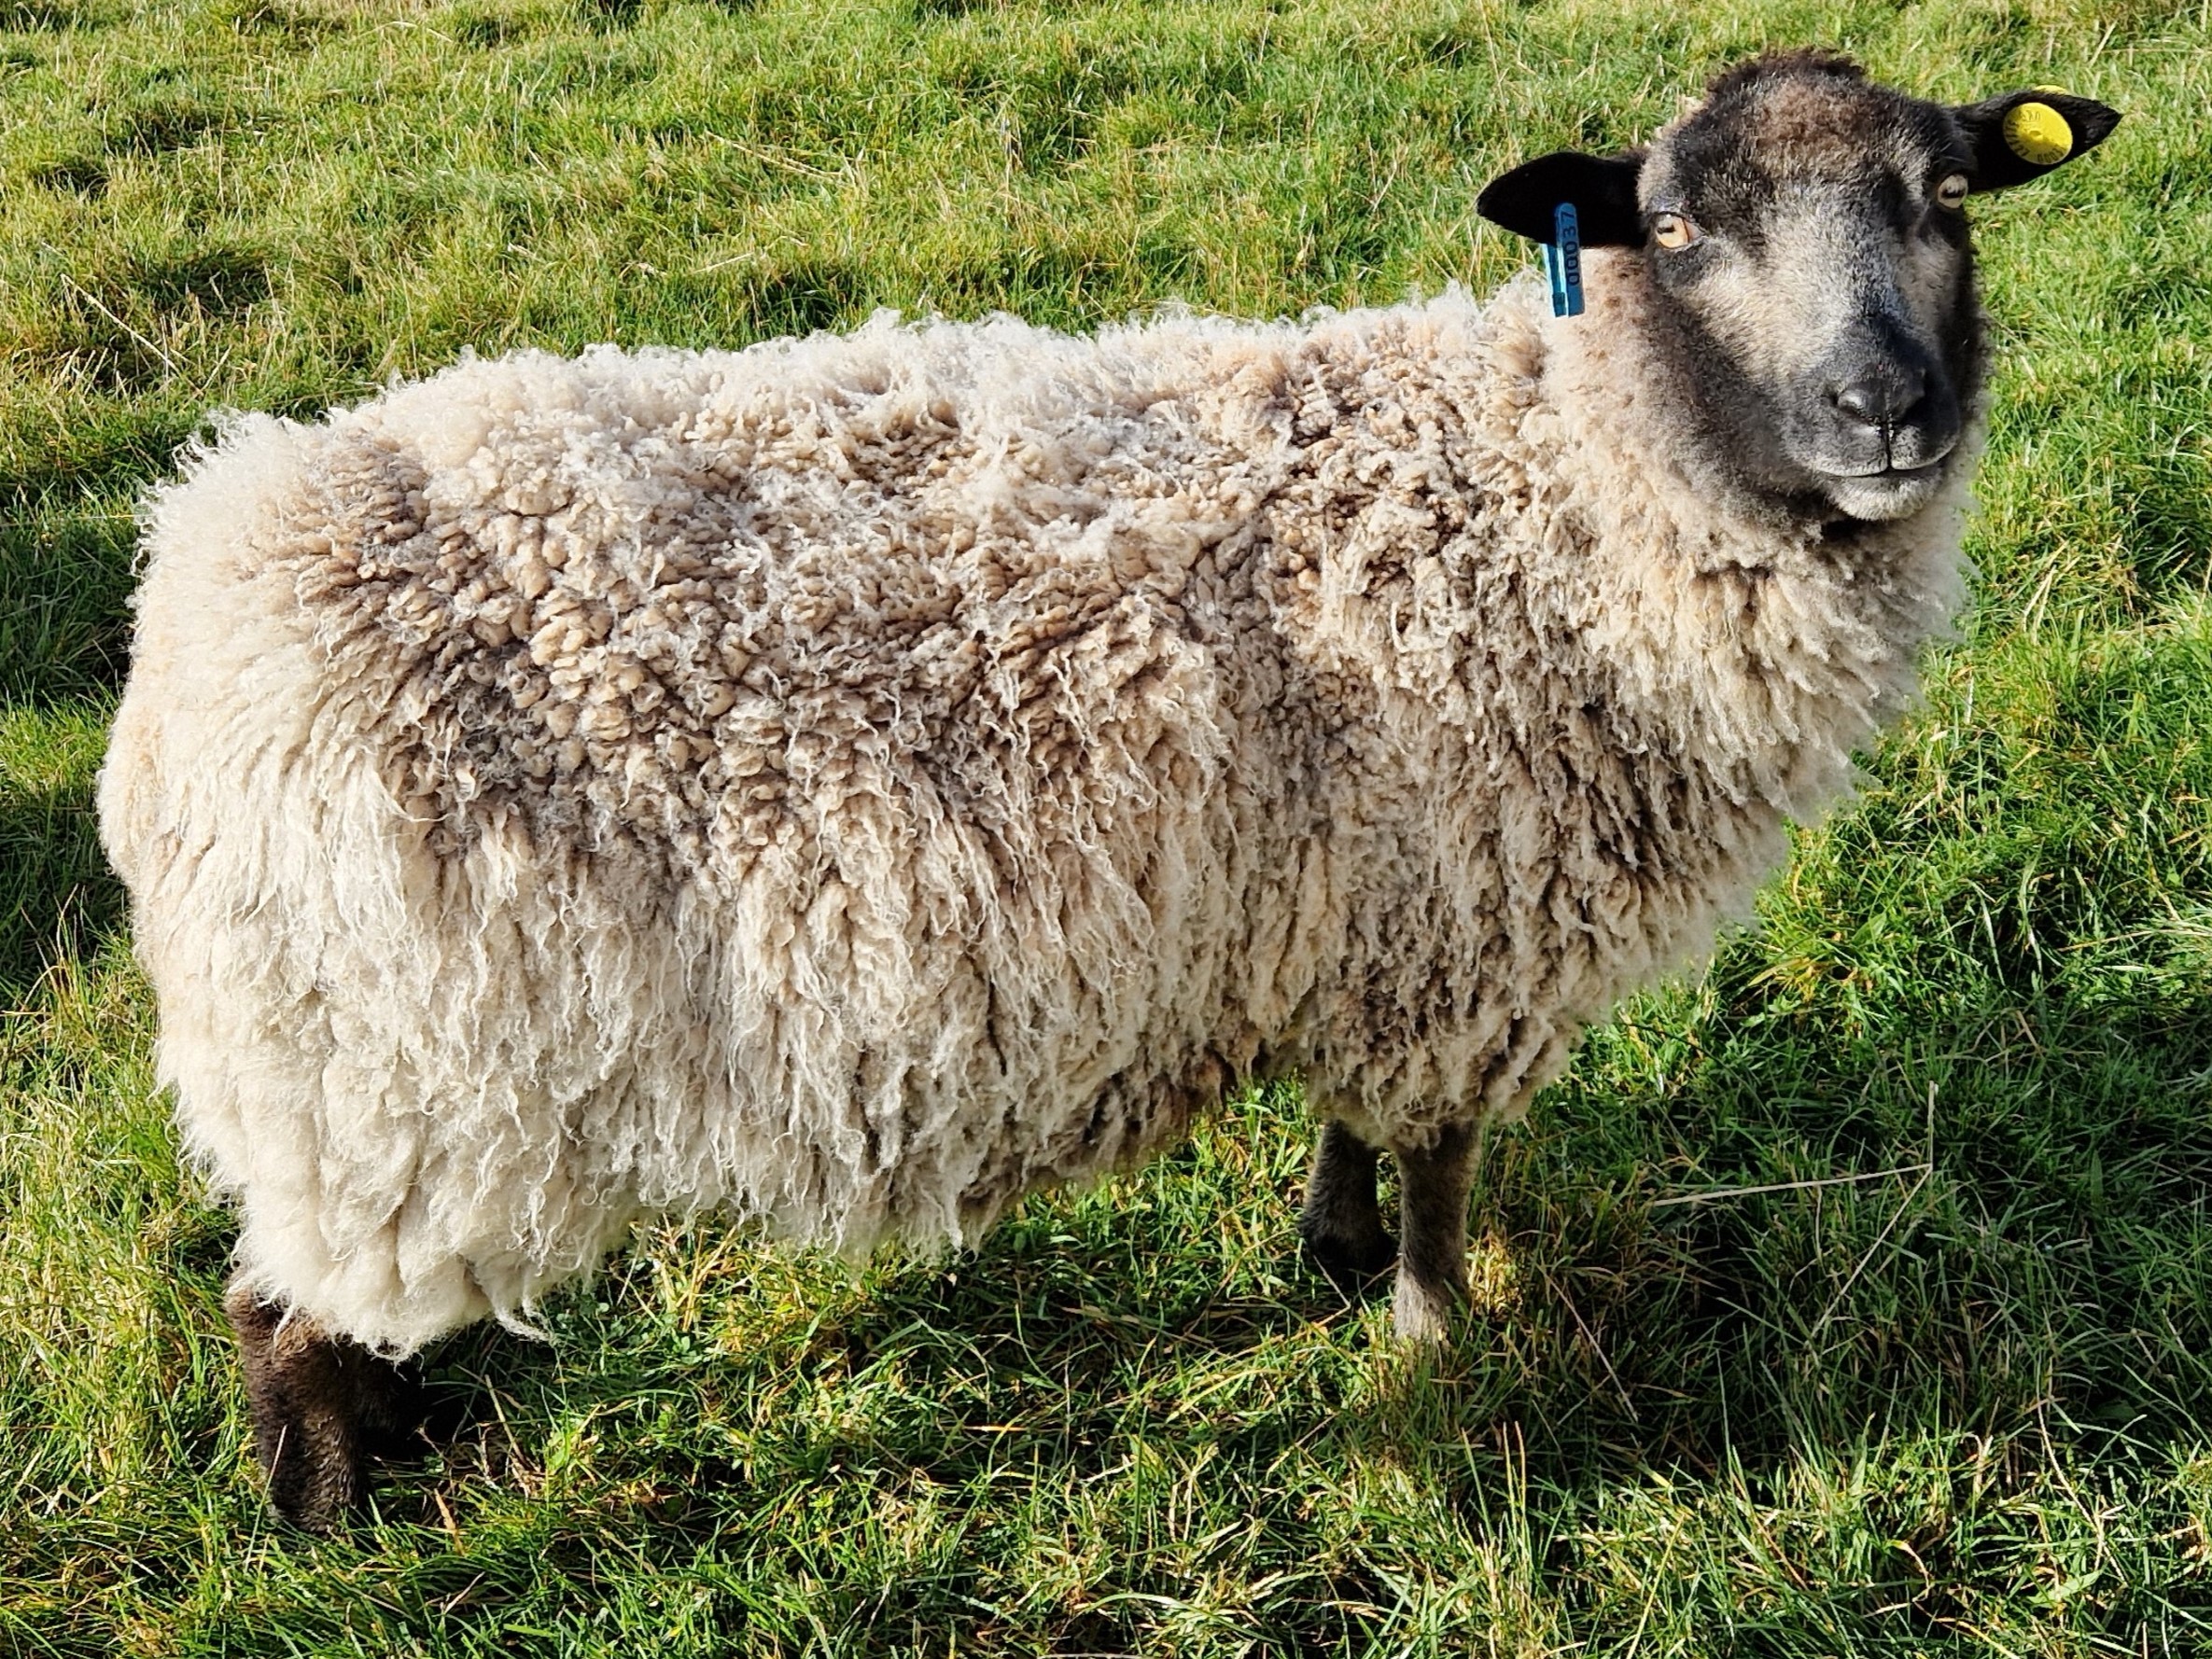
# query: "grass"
{"points": [[1963, 1406]]}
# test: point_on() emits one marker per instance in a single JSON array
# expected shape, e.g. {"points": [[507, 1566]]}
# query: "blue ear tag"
{"points": [[1563, 261]]}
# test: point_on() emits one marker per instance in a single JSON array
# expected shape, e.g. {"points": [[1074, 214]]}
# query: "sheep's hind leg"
{"points": [[1341, 1224], [322, 1406], [1433, 1184]]}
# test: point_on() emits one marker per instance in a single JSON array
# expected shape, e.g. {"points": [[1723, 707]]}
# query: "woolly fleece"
{"points": [[857, 781]]}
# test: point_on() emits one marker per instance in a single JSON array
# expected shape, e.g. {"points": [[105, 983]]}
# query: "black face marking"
{"points": [[1820, 321]]}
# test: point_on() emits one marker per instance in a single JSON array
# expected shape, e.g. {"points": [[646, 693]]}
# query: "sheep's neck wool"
{"points": [[857, 781]]}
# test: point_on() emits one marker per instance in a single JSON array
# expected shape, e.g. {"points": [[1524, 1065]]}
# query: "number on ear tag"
{"points": [[1563, 261]]}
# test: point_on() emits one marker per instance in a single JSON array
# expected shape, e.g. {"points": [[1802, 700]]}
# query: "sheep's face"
{"points": [[1810, 274], [1808, 234]]}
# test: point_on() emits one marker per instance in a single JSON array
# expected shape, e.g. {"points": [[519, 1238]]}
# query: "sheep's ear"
{"points": [[1601, 187], [2024, 135]]}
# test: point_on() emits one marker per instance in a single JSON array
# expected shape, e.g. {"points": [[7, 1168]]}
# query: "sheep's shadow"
{"points": [[464, 1376], [1032, 1302]]}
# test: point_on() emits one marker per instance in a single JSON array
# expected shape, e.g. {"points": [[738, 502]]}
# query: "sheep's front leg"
{"points": [[321, 1406], [1434, 1182], [1341, 1224]]}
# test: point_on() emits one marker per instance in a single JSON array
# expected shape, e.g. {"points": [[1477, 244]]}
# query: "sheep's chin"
{"points": [[1898, 493]]}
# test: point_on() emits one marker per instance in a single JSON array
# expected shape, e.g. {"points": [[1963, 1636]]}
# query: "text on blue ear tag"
{"points": [[1563, 261]]}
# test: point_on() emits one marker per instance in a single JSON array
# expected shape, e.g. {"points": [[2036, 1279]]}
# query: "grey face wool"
{"points": [[856, 781]]}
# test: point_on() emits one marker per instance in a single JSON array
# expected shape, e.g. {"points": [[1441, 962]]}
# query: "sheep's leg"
{"points": [[1341, 1224], [1433, 1184], [321, 1405]]}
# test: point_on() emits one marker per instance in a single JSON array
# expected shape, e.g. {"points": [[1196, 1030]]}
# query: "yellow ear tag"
{"points": [[2037, 135]]}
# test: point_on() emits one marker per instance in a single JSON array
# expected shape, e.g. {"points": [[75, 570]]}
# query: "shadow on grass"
{"points": [[57, 897], [65, 633]]}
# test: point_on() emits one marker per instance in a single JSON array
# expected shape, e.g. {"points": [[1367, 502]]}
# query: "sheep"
{"points": [[854, 782]]}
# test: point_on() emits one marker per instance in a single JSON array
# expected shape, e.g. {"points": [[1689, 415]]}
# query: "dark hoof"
{"points": [[322, 1407], [1353, 1267]]}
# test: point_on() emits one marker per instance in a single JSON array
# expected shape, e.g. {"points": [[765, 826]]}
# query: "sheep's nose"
{"points": [[1881, 398]]}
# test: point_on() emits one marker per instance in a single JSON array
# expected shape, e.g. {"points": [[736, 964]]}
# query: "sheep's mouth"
{"points": [[1894, 474], [1885, 493], [1907, 455], [1902, 457]]}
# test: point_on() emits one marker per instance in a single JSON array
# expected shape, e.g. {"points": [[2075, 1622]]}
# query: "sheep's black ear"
{"points": [[1601, 187], [2024, 135]]}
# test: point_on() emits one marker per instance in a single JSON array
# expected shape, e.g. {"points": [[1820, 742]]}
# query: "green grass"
{"points": [[1962, 1407]]}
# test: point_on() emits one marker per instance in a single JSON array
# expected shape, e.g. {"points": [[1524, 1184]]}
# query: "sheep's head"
{"points": [[1810, 269]]}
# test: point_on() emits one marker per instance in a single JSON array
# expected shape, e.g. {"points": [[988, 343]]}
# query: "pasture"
{"points": [[1854, 1299]]}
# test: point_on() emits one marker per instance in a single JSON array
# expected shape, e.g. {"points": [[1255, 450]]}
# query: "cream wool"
{"points": [[857, 781]]}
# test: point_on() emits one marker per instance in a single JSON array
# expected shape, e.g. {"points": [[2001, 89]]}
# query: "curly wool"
{"points": [[857, 781]]}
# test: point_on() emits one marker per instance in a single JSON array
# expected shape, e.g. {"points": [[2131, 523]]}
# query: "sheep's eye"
{"points": [[1674, 229], [1952, 192]]}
